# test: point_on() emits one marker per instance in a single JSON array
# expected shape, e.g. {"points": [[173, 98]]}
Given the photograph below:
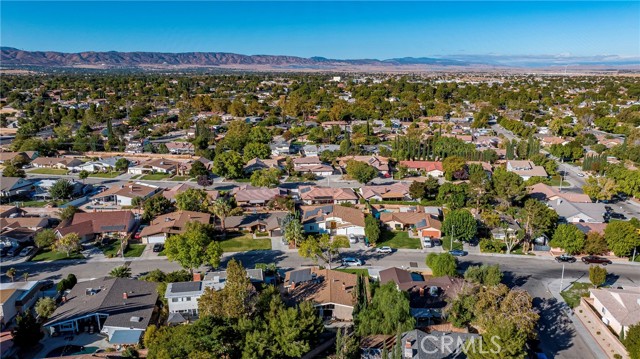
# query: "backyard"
{"points": [[111, 249], [398, 239], [575, 292], [244, 242]]}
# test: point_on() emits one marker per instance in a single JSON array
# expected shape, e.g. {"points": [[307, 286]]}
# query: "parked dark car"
{"points": [[618, 216], [158, 247], [565, 258], [458, 253], [595, 260], [608, 209]]}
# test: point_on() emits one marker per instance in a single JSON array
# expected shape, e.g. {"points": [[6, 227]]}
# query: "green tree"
{"points": [[27, 332], [453, 165], [360, 171], [266, 178], [83, 175], [198, 169], [61, 189], [68, 244], [44, 307], [537, 219], [234, 300], [156, 206], [460, 225], [11, 170], [11, 273], [631, 341], [294, 232], [221, 209], [228, 164], [120, 272], [256, 150], [508, 186], [190, 249], [122, 164], [595, 244], [417, 190], [346, 345], [45, 238], [600, 188], [622, 238], [387, 313], [452, 195], [322, 247], [372, 229], [597, 275], [260, 134], [485, 274], [67, 213], [442, 264], [193, 199], [569, 238]]}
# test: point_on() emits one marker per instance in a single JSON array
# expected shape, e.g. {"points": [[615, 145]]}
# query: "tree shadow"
{"points": [[512, 279], [555, 329]]}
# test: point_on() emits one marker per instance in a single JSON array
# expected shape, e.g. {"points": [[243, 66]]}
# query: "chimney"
{"points": [[422, 291], [408, 351], [293, 285], [125, 295], [197, 277]]}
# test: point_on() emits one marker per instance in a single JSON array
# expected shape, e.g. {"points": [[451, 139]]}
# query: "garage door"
{"points": [[155, 239]]}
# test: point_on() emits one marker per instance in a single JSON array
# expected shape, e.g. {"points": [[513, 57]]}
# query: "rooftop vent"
{"points": [[135, 319]]}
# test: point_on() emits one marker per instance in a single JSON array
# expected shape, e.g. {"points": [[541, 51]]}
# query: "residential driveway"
{"points": [[278, 245], [148, 252]]}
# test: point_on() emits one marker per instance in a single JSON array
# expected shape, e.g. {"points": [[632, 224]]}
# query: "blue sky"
{"points": [[331, 29]]}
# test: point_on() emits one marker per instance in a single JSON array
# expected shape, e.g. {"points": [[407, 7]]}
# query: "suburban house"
{"points": [[312, 165], [171, 223], [183, 296], [331, 292], [100, 165], [544, 192], [430, 168], [280, 146], [426, 224], [32, 223], [14, 186], [333, 219], [15, 237], [257, 164], [526, 169], [398, 191], [42, 187], [17, 297], [180, 148], [417, 344], [121, 308], [11, 156], [156, 165], [320, 195], [123, 195], [574, 212], [103, 224], [316, 150], [258, 222], [56, 162], [618, 308], [172, 192], [377, 162], [247, 195]]}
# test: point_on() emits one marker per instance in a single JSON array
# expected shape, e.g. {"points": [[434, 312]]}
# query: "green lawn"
{"points": [[446, 245], [398, 239], [155, 176], [39, 203], [245, 243], [49, 171], [575, 292], [180, 178], [49, 255], [106, 175], [362, 271], [111, 249], [555, 182]]}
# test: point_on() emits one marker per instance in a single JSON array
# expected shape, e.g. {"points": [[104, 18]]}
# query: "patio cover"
{"points": [[126, 336]]}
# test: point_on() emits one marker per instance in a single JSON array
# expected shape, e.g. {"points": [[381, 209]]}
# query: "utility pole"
{"points": [[634, 254], [562, 277]]}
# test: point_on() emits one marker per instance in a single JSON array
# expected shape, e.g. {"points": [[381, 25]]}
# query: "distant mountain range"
{"points": [[15, 58]]}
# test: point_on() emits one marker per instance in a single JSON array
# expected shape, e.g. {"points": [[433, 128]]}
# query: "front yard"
{"points": [[49, 255], [398, 239], [575, 292], [155, 176], [180, 178], [244, 243], [49, 171], [113, 174], [133, 250]]}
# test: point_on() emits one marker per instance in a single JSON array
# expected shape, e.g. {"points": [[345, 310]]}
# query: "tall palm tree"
{"points": [[221, 209], [121, 272]]}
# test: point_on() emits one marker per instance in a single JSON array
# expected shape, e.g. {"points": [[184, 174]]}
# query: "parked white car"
{"points": [[348, 262], [384, 249]]}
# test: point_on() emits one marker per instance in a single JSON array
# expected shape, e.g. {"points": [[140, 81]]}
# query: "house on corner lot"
{"points": [[258, 222], [618, 308], [311, 195], [578, 212], [331, 292], [171, 223], [398, 191], [333, 219], [544, 192], [526, 169], [120, 308], [99, 224]]}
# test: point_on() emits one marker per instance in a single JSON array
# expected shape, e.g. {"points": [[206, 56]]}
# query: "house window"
{"points": [[174, 300]]}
